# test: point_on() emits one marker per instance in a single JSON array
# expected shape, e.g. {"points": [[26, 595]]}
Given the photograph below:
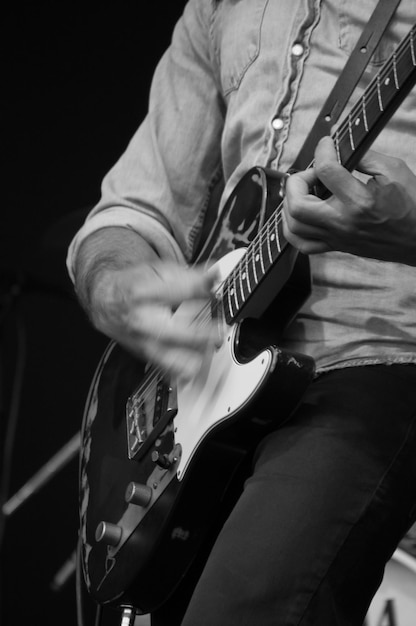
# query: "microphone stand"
{"points": [[43, 476]]}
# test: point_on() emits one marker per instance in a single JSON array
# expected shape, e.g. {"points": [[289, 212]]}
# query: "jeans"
{"points": [[331, 494]]}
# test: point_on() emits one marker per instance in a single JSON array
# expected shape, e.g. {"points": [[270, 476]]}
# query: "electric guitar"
{"points": [[162, 460]]}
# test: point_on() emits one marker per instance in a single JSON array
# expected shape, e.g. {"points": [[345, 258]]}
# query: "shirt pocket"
{"points": [[236, 33], [353, 17]]}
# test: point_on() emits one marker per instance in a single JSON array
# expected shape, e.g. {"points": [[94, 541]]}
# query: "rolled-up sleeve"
{"points": [[160, 186]]}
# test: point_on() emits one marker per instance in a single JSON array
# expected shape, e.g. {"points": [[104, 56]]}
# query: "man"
{"points": [[334, 489]]}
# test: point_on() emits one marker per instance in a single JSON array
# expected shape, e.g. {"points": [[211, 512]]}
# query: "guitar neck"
{"points": [[379, 101], [354, 136]]}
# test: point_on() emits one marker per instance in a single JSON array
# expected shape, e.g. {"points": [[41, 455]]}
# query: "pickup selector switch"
{"points": [[161, 459], [139, 494]]}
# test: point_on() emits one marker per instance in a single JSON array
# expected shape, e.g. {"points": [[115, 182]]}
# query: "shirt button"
{"points": [[277, 123], [297, 50]]}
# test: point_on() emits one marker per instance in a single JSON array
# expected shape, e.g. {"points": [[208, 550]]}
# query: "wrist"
{"points": [[99, 260]]}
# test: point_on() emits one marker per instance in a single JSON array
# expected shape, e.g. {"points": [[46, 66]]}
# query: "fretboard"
{"points": [[353, 137]]}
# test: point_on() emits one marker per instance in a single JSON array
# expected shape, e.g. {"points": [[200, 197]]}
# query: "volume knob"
{"points": [[108, 533], [139, 494]]}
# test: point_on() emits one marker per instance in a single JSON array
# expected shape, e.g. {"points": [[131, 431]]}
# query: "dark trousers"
{"points": [[331, 494]]}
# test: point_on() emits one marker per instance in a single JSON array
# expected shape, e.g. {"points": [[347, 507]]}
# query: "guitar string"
{"points": [[371, 95], [156, 373]]}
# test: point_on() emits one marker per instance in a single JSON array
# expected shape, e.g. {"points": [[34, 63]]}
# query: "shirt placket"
{"points": [[296, 55]]}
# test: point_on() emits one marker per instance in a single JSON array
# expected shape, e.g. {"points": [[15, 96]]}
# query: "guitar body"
{"points": [[187, 446]]}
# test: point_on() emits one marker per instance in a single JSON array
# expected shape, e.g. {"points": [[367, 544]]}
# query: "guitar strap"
{"points": [[347, 81]]}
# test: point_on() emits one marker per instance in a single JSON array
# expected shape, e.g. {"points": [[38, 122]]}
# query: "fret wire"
{"points": [[396, 78], [272, 239], [269, 250], [235, 289], [380, 101], [259, 250], [260, 253], [350, 133], [365, 114], [276, 228], [247, 272], [230, 302], [254, 269], [240, 276], [336, 141]]}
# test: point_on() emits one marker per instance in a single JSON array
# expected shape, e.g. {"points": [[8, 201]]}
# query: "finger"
{"points": [[168, 283], [304, 223], [375, 165], [386, 169], [308, 246], [180, 360], [305, 239], [301, 183], [299, 202], [190, 337], [333, 175], [181, 363], [187, 330], [305, 214]]}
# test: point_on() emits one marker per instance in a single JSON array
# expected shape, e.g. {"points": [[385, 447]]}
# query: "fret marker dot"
{"points": [[357, 121], [232, 292], [244, 276], [387, 81], [257, 257], [273, 237]]}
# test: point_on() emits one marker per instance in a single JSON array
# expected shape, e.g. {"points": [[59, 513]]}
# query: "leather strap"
{"points": [[347, 81]]}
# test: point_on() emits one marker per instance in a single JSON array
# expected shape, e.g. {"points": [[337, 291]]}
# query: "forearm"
{"points": [[129, 293], [101, 253]]}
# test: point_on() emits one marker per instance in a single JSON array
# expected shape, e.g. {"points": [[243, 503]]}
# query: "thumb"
{"points": [[302, 182], [376, 165]]}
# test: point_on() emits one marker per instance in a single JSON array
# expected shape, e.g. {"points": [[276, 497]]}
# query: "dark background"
{"points": [[75, 88]]}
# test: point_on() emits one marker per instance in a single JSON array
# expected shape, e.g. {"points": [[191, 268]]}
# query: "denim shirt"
{"points": [[241, 85]]}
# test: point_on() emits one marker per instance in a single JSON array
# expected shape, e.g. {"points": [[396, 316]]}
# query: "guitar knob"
{"points": [[139, 494], [108, 533]]}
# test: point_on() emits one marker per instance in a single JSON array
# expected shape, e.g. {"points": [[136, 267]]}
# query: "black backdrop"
{"points": [[75, 87]]}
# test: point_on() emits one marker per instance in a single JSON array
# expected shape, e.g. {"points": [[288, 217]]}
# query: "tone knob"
{"points": [[108, 533], [139, 494]]}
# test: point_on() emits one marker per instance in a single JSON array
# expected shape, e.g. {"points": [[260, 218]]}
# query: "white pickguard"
{"points": [[222, 387]]}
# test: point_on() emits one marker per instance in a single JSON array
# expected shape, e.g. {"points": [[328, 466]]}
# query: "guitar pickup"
{"points": [[148, 411]]}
